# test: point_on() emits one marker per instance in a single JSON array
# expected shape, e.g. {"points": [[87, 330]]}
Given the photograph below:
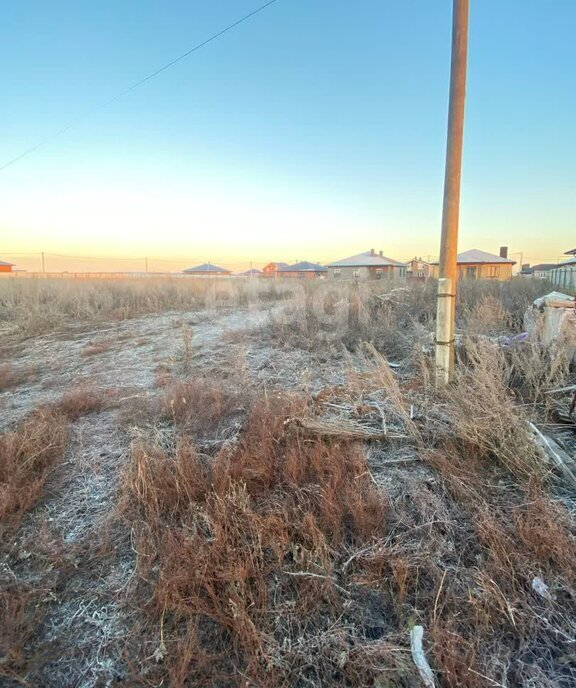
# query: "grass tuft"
{"points": [[27, 456], [242, 550]]}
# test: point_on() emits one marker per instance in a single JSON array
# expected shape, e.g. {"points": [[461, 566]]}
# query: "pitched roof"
{"points": [[303, 266], [571, 252], [207, 267], [474, 255], [278, 263], [417, 260], [366, 259], [3, 262], [252, 271], [542, 267]]}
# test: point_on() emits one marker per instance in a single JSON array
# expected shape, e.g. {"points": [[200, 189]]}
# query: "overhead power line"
{"points": [[190, 259], [136, 84], [192, 50]]}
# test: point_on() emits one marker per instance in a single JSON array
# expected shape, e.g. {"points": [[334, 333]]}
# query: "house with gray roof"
{"points": [[476, 264], [252, 272], [369, 265], [304, 270], [539, 271], [207, 270]]}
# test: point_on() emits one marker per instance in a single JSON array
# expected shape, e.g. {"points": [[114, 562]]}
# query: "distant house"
{"points": [[207, 270], [540, 271], [253, 272], [476, 264], [303, 270], [419, 270], [6, 267], [367, 266], [271, 270]]}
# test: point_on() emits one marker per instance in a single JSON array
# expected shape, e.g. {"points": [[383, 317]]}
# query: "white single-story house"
{"points": [[367, 266]]}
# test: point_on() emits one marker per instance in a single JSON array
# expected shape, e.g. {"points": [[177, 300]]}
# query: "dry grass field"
{"points": [[241, 484]]}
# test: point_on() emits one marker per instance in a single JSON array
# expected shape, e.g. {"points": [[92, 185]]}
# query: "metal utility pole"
{"points": [[448, 269], [43, 265], [146, 263]]}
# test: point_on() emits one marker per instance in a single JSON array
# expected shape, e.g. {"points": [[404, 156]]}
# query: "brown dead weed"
{"points": [[30, 451], [35, 563], [275, 559], [84, 399], [239, 558], [270, 556], [27, 455], [11, 376]]}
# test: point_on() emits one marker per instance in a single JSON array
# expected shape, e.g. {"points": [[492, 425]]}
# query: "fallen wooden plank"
{"points": [[552, 450], [342, 428], [560, 390]]}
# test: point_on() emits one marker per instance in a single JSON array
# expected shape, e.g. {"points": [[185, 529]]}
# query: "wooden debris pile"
{"points": [[372, 415]]}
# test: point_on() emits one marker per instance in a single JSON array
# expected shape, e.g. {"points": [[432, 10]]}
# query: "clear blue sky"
{"points": [[313, 131]]}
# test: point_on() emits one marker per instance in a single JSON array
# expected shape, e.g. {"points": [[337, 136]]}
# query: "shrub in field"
{"points": [[30, 451], [537, 367], [329, 315], [240, 553], [27, 455], [82, 400], [513, 296], [485, 416], [396, 319], [33, 558], [201, 406], [279, 562], [487, 619], [487, 316], [12, 377]]}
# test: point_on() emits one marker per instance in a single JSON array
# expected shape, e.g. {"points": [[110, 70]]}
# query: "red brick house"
{"points": [[6, 267], [271, 270]]}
